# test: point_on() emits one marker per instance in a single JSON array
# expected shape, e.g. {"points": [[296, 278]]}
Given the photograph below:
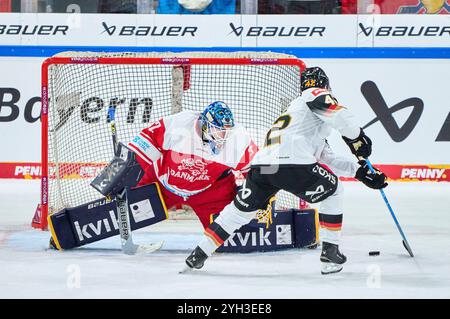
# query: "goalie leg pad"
{"points": [[97, 220], [289, 229]]}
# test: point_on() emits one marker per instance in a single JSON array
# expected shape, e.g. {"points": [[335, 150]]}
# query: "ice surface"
{"points": [[100, 270]]}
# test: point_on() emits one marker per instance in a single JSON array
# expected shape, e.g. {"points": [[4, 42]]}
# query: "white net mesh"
{"points": [[79, 135]]}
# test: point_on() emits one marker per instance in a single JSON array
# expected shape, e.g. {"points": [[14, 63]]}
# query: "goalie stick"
{"points": [[126, 238], [404, 240]]}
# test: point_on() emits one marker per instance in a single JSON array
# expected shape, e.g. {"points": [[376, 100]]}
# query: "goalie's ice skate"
{"points": [[51, 244], [332, 259]]}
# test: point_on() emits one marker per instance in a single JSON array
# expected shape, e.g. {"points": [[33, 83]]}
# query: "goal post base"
{"points": [[37, 221]]}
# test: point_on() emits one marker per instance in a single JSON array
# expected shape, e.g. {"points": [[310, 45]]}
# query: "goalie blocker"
{"points": [[97, 220]]}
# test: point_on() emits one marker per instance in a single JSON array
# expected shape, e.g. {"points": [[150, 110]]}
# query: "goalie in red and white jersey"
{"points": [[192, 157]]}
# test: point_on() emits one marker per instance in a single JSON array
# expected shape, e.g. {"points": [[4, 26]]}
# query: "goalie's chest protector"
{"points": [[188, 165]]}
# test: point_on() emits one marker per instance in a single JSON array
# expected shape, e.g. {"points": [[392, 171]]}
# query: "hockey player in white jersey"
{"points": [[297, 158]]}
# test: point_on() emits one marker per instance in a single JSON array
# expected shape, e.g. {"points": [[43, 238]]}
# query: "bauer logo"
{"points": [[384, 113], [44, 190], [175, 60], [264, 61], [98, 203], [149, 31], [33, 30], [277, 31], [44, 100], [404, 31], [84, 60]]}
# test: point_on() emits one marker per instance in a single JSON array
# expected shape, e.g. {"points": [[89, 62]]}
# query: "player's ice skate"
{"points": [[196, 260], [331, 258]]}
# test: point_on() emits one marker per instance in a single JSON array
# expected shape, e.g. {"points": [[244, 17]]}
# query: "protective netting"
{"points": [[79, 135]]}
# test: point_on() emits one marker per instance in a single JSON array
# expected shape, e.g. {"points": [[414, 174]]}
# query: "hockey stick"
{"points": [[405, 241], [127, 244]]}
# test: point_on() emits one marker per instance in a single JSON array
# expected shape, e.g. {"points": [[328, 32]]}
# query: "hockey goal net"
{"points": [[79, 87]]}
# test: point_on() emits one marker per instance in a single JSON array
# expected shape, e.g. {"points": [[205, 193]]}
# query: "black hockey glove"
{"points": [[375, 181], [360, 146], [123, 171]]}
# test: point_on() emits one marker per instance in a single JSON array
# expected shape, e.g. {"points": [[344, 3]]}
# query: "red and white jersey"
{"points": [[299, 135], [182, 161]]}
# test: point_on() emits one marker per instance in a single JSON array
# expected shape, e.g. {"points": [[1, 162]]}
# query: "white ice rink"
{"points": [[28, 270]]}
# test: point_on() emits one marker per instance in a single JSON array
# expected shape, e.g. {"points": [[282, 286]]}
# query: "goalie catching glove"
{"points": [[360, 146], [375, 180]]}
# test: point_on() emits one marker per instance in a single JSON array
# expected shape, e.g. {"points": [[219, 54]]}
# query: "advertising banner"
{"points": [[393, 30], [225, 30]]}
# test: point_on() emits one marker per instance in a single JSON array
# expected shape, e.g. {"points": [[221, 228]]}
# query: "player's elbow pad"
{"points": [[123, 171]]}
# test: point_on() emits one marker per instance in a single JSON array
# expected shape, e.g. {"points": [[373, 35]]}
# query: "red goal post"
{"points": [[258, 86]]}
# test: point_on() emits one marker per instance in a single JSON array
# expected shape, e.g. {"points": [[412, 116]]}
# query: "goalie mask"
{"points": [[314, 77], [217, 121]]}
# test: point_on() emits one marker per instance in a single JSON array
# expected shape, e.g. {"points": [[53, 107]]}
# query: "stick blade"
{"points": [[408, 248], [150, 248]]}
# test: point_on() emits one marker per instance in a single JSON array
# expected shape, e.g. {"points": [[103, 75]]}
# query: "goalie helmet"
{"points": [[314, 77], [217, 121]]}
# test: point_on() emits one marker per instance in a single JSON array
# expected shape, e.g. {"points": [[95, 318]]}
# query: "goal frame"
{"points": [[44, 209]]}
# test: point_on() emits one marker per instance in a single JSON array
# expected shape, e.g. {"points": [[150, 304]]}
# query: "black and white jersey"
{"points": [[299, 135]]}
